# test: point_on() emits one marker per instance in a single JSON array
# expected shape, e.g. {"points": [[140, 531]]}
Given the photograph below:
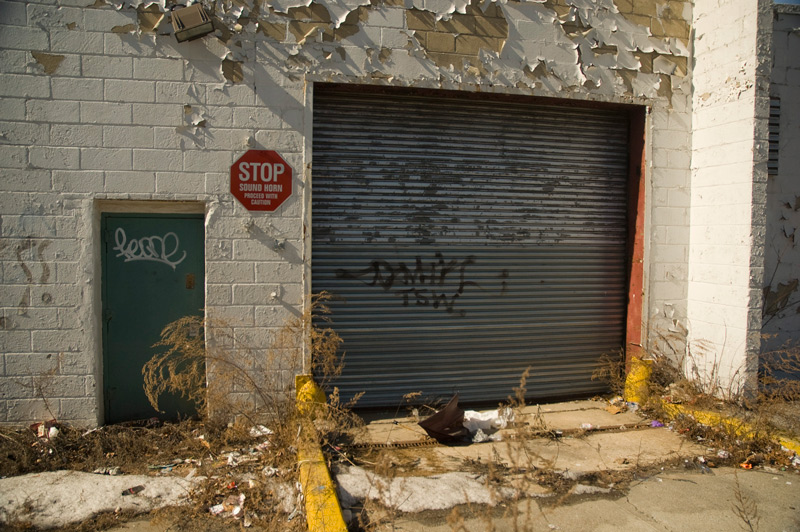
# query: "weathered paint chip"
{"points": [[127, 28], [149, 17], [232, 70], [49, 62]]}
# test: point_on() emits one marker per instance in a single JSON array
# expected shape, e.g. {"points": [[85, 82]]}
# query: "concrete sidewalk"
{"points": [[675, 500], [551, 471]]}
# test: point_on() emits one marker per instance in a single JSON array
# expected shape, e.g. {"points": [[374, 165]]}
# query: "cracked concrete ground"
{"points": [[671, 501], [620, 474]]}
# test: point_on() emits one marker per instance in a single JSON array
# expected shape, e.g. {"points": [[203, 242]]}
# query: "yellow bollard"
{"points": [[637, 379]]}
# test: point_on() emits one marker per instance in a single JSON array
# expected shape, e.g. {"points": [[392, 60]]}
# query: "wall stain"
{"points": [[22, 247]]}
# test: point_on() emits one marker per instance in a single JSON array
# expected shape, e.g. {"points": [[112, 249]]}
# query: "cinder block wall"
{"points": [[729, 114], [781, 324], [101, 107]]}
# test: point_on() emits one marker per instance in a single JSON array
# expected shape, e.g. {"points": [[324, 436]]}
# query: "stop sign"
{"points": [[261, 180]]}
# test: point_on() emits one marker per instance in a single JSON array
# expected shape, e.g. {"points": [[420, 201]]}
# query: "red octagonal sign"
{"points": [[261, 180]]}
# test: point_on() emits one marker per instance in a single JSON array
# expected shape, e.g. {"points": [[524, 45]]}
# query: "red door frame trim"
{"points": [[636, 210]]}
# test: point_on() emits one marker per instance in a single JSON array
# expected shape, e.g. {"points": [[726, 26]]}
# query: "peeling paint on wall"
{"points": [[49, 62], [633, 49], [232, 70]]}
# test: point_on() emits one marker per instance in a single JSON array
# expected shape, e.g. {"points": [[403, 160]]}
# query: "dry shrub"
{"points": [[229, 379], [236, 386], [611, 370]]}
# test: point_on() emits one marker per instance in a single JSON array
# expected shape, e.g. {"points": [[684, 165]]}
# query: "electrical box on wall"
{"points": [[191, 22]]}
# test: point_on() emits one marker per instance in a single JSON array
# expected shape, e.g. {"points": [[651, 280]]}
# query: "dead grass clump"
{"points": [[611, 370]]}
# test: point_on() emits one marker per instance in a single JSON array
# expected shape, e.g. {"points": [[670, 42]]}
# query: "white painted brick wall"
{"points": [[111, 124], [724, 209]]}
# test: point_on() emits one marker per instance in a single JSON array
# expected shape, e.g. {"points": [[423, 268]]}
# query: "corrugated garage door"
{"points": [[468, 240]]}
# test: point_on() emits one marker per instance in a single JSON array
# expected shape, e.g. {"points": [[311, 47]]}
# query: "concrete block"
{"points": [[49, 16], [277, 272], [25, 86], [141, 45], [54, 341], [232, 95], [25, 133], [32, 364], [13, 156], [394, 39], [235, 272], [672, 140], [158, 69], [420, 20], [168, 138], [283, 141], [130, 91], [17, 387], [106, 159], [54, 158], [216, 116], [721, 215], [235, 316], [157, 160], [167, 114], [440, 42], [218, 249], [64, 386], [106, 19], [726, 155], [218, 294], [130, 182], [12, 108], [183, 93], [473, 44], [721, 255], [217, 183], [76, 135], [679, 159], [23, 38], [27, 179], [77, 89], [228, 139], [25, 410], [81, 412], [387, 17], [246, 249], [52, 111], [256, 117], [180, 183], [75, 42], [15, 341], [128, 137], [106, 113], [75, 363], [66, 273], [103, 66], [215, 161], [13, 13]]}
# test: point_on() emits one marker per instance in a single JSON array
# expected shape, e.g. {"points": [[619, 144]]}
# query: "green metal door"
{"points": [[152, 275]]}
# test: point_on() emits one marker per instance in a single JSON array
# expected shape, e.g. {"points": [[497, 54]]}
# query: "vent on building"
{"points": [[774, 134]]}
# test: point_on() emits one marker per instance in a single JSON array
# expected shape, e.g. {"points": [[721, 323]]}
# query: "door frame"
{"points": [[104, 206]]}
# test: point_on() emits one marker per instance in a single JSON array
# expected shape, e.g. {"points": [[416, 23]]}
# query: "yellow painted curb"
{"points": [[636, 386], [323, 513]]}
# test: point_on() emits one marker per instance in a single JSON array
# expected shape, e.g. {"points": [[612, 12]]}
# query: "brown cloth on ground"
{"points": [[447, 424]]}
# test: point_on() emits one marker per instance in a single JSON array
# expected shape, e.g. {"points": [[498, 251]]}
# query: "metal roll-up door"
{"points": [[467, 240]]}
